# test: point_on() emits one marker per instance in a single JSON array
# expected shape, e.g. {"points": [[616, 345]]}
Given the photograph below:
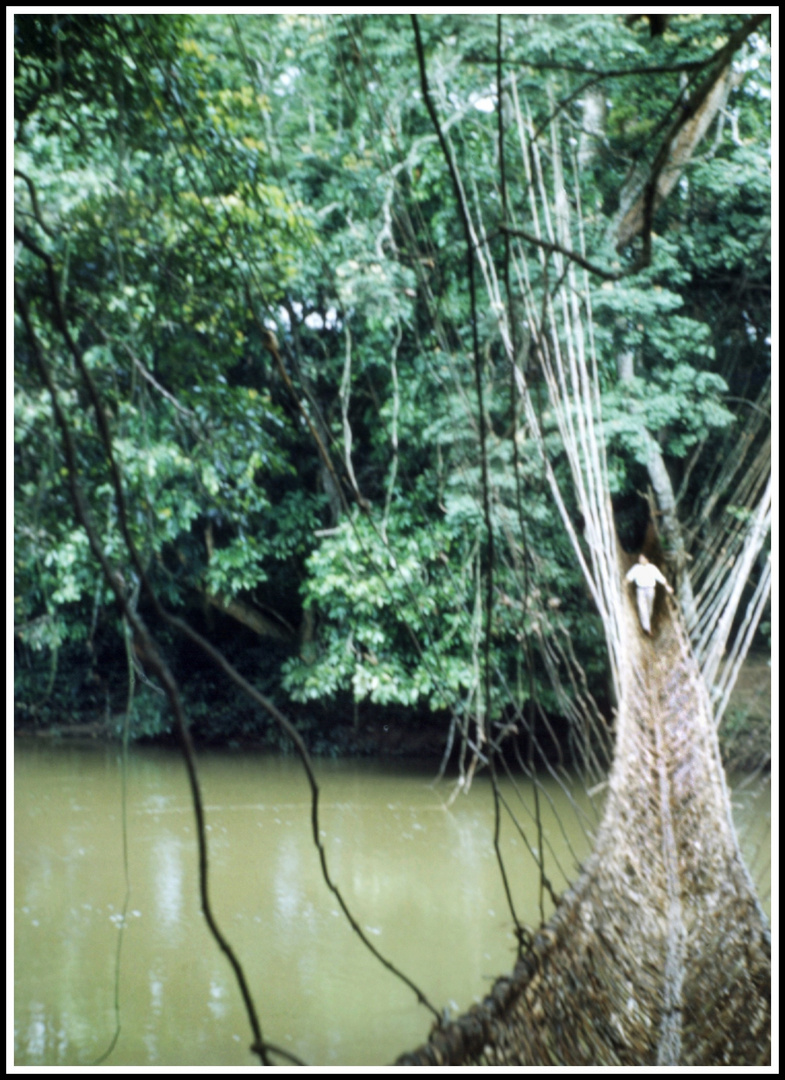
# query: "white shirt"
{"points": [[645, 576]]}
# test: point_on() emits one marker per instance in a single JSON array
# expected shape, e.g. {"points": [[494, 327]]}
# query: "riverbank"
{"points": [[222, 716], [744, 735]]}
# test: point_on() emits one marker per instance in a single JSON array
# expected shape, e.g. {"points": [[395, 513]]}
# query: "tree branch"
{"points": [[546, 245], [611, 73], [34, 200]]}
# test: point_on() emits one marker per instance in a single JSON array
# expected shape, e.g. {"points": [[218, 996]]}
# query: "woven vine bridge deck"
{"points": [[660, 953]]}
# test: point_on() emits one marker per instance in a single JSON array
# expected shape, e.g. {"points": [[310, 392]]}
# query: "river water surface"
{"points": [[421, 879]]}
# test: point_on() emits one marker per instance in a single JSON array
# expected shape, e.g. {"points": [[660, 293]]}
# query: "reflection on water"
{"points": [[422, 881]]}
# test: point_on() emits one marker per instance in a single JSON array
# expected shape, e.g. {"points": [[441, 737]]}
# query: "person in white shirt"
{"points": [[644, 576]]}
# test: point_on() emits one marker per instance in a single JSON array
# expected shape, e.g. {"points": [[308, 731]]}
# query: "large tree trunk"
{"points": [[669, 527], [249, 616], [594, 112], [639, 202], [648, 187], [668, 524]]}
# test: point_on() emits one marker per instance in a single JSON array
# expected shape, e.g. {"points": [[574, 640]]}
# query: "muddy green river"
{"points": [[421, 879]]}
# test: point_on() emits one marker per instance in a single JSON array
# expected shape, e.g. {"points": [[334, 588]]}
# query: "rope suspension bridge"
{"points": [[660, 953]]}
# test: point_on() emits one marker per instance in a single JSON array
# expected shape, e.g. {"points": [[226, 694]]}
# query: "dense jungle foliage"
{"points": [[247, 226]]}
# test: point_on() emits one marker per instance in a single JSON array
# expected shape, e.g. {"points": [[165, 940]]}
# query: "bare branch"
{"points": [[34, 200], [547, 245]]}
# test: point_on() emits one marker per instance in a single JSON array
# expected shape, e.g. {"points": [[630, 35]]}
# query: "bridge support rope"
{"points": [[669, 1048], [660, 952]]}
